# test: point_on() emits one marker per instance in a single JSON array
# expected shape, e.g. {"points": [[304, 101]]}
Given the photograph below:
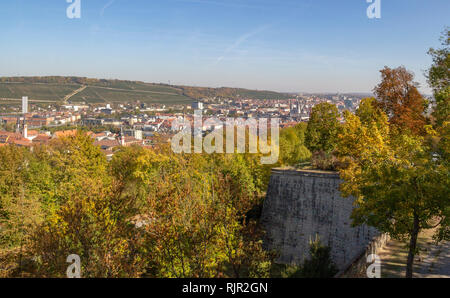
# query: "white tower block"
{"points": [[25, 105]]}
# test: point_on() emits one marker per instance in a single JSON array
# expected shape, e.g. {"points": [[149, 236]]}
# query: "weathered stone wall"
{"points": [[358, 266], [302, 204]]}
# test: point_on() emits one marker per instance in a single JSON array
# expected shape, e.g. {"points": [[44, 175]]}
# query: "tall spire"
{"points": [[18, 124], [25, 128], [122, 137]]}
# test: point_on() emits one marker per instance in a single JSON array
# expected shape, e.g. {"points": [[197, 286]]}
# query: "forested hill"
{"points": [[226, 92], [82, 89]]}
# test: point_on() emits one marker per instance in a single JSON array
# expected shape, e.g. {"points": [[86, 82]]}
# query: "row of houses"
{"points": [[39, 120], [107, 141]]}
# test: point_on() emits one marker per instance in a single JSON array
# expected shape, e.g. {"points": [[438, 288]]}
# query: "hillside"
{"points": [[79, 89], [225, 92]]}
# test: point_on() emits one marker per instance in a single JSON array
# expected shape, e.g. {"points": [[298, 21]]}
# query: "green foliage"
{"points": [[442, 111], [93, 223], [146, 213], [439, 80], [439, 72], [398, 169], [370, 114], [319, 265], [399, 187], [323, 128], [292, 145], [197, 205], [20, 205]]}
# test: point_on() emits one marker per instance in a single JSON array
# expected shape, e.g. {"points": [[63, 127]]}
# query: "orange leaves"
{"points": [[398, 96]]}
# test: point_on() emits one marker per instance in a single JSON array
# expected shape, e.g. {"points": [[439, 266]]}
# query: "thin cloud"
{"points": [[242, 39], [219, 3], [102, 11]]}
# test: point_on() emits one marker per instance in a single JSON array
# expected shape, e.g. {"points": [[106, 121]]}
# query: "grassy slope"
{"points": [[114, 92], [51, 92], [99, 91], [97, 95]]}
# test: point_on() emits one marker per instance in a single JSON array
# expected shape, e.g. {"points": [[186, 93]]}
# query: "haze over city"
{"points": [[289, 46]]}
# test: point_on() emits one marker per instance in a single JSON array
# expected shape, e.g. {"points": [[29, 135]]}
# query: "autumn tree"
{"points": [[398, 96], [193, 212], [399, 188], [93, 224], [148, 212], [20, 202], [86, 215]]}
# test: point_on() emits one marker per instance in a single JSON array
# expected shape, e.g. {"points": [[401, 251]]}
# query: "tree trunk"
{"points": [[412, 248]]}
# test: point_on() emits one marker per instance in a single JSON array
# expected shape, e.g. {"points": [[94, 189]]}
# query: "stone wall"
{"points": [[302, 204], [358, 267]]}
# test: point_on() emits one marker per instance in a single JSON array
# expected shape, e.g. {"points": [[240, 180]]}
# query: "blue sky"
{"points": [[283, 45]]}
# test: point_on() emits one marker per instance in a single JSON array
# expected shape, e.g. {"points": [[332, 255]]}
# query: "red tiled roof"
{"points": [[41, 138], [33, 133], [23, 142], [14, 138], [107, 143]]}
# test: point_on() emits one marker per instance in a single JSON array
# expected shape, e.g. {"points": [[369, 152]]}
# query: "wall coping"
{"points": [[306, 173]]}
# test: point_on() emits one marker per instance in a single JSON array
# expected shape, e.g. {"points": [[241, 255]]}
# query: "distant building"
{"points": [[348, 103], [107, 111], [76, 108], [198, 105], [137, 134], [93, 121], [25, 105], [112, 122]]}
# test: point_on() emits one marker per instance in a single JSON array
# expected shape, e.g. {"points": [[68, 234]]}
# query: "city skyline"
{"points": [[311, 47]]}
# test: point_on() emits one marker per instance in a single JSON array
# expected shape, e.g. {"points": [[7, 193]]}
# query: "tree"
{"points": [[439, 80], [399, 188], [292, 145], [439, 73], [92, 223], [87, 215], [399, 98], [369, 113], [320, 264], [20, 204], [194, 208], [323, 128]]}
